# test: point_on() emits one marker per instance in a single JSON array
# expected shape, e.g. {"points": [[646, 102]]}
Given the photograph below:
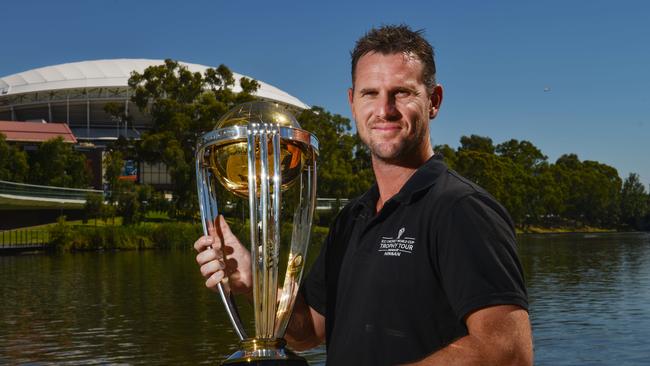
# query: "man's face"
{"points": [[391, 106]]}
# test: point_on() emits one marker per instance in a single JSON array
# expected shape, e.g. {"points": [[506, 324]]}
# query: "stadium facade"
{"points": [[76, 94]]}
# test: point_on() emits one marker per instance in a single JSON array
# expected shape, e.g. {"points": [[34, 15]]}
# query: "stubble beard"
{"points": [[402, 152]]}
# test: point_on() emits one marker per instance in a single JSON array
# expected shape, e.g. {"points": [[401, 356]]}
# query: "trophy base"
{"points": [[264, 352]]}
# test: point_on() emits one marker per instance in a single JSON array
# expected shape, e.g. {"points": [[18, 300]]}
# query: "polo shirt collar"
{"points": [[423, 178]]}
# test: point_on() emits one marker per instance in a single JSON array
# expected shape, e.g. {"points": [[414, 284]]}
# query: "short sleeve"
{"points": [[477, 257], [314, 287]]}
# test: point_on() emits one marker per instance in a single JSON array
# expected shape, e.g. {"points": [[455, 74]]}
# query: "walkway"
{"points": [[29, 196]]}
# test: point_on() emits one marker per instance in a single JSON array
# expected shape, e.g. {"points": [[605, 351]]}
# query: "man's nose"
{"points": [[386, 108]]}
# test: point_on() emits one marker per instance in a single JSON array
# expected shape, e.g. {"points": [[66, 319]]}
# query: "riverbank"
{"points": [[162, 234], [562, 229]]}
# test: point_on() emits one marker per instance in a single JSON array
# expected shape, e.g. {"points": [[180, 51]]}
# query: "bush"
{"points": [[168, 235], [60, 234], [94, 206], [176, 235], [66, 237]]}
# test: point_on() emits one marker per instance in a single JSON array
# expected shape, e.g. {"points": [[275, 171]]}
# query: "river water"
{"points": [[589, 294]]}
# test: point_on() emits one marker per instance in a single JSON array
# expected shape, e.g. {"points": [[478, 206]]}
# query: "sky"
{"points": [[570, 76]]}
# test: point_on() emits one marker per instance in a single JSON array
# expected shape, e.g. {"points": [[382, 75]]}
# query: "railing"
{"points": [[326, 204], [24, 239], [47, 192]]}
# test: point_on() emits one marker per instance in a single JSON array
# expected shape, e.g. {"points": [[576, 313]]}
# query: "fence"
{"points": [[24, 239]]}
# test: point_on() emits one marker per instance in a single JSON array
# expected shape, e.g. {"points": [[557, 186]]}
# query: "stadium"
{"points": [[76, 94]]}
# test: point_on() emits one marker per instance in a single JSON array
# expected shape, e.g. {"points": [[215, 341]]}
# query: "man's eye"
{"points": [[368, 93], [402, 93]]}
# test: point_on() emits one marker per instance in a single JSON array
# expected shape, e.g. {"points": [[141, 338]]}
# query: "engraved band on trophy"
{"points": [[258, 153]]}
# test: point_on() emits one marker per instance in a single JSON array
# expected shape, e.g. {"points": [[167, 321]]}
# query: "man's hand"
{"points": [[221, 255]]}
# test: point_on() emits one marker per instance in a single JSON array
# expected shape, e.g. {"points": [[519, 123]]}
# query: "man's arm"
{"points": [[498, 335], [306, 327]]}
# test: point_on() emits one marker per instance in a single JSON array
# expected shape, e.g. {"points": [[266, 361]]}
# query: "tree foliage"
{"points": [[56, 163], [536, 192], [13, 162], [113, 165], [94, 207], [343, 163], [182, 105], [635, 204]]}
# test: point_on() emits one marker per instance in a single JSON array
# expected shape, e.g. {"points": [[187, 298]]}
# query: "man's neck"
{"points": [[391, 177]]}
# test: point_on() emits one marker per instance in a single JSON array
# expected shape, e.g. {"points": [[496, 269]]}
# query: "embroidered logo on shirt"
{"points": [[394, 247], [400, 232]]}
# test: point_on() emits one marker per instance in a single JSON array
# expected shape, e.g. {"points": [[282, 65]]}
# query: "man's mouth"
{"points": [[387, 127]]}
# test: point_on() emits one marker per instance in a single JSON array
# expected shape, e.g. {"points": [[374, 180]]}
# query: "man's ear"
{"points": [[436, 101], [351, 99]]}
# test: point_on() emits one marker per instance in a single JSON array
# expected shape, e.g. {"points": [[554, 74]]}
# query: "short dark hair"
{"points": [[391, 39]]}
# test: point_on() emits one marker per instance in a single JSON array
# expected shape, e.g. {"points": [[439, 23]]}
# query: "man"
{"points": [[422, 268]]}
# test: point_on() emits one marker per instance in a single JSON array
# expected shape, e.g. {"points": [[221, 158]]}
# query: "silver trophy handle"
{"points": [[209, 215]]}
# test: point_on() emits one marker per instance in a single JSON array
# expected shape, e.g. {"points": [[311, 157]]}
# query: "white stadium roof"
{"points": [[109, 73]]}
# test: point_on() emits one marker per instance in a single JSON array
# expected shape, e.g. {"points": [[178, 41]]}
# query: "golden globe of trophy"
{"points": [[258, 158]]}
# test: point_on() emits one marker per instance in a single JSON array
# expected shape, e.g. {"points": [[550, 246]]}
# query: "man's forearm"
{"points": [[499, 335], [471, 351], [304, 331]]}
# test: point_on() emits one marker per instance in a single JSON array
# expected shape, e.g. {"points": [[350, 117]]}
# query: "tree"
{"points": [[534, 186], [544, 198], [591, 191], [476, 143], [183, 105], [56, 163], [128, 206], [606, 194], [94, 206], [343, 163], [634, 202], [13, 162], [522, 153], [119, 115], [448, 154], [113, 165]]}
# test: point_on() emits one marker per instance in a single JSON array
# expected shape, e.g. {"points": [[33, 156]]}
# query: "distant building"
{"points": [[31, 133], [76, 93]]}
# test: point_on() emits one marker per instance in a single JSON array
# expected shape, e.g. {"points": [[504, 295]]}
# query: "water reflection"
{"points": [[147, 307], [589, 297], [589, 305]]}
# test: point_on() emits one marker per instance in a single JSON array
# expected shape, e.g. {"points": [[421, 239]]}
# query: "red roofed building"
{"points": [[36, 132]]}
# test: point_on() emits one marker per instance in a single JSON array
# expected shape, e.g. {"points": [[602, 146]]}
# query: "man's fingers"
{"points": [[209, 255], [203, 242], [214, 280], [212, 267]]}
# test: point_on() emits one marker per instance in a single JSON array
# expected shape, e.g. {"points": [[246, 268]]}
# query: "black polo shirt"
{"points": [[396, 286]]}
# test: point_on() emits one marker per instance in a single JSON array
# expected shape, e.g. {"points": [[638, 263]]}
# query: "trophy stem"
{"points": [[275, 218], [254, 227], [265, 225]]}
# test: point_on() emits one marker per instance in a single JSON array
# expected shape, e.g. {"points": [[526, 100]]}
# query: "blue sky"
{"points": [[494, 58]]}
